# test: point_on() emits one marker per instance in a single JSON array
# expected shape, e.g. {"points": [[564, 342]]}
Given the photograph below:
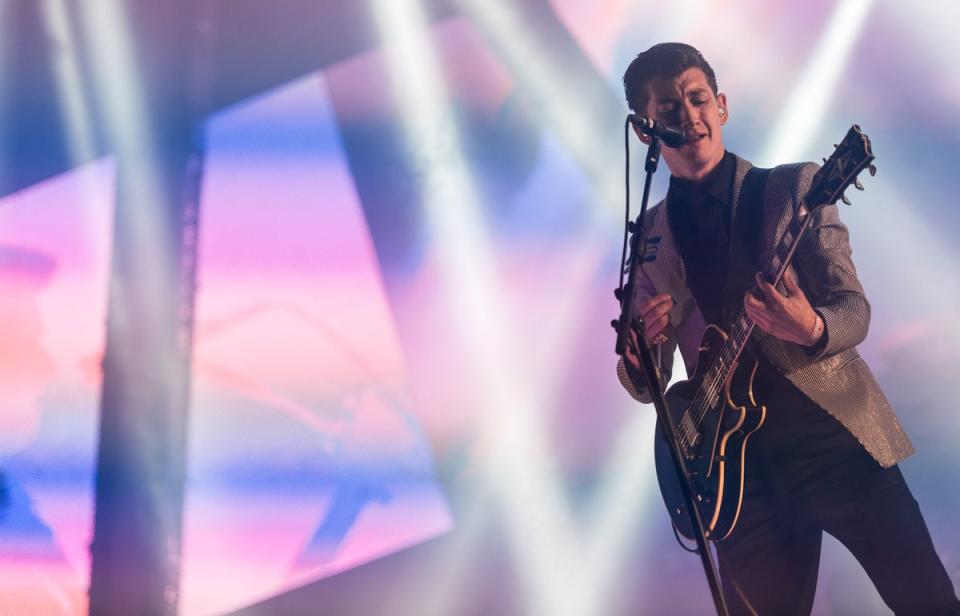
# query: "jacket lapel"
{"points": [[739, 174]]}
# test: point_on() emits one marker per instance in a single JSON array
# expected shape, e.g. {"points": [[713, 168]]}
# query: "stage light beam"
{"points": [[518, 469], [118, 90], [71, 97], [809, 101]]}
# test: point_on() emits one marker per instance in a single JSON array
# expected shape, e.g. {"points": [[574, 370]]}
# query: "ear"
{"points": [[645, 139], [724, 108]]}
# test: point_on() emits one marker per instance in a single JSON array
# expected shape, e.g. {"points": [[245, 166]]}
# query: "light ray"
{"points": [[73, 103], [560, 100], [518, 468], [601, 548], [122, 101], [808, 103]]}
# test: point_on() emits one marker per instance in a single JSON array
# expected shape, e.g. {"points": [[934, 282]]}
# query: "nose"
{"points": [[687, 115]]}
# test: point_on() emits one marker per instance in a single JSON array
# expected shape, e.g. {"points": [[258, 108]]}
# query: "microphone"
{"points": [[671, 137]]}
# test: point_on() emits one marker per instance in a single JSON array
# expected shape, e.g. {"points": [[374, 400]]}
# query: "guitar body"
{"points": [[715, 459]]}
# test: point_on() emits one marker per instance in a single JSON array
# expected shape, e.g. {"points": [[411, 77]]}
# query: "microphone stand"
{"points": [[650, 369]]}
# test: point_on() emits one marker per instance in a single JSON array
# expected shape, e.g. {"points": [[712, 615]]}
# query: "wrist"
{"points": [[816, 331]]}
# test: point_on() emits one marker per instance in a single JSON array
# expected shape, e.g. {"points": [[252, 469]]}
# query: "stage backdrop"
{"points": [[404, 294]]}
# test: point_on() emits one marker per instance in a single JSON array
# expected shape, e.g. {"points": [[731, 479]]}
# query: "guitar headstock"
{"points": [[841, 169]]}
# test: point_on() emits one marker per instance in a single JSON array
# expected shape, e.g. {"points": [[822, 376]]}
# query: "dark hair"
{"points": [[662, 61]]}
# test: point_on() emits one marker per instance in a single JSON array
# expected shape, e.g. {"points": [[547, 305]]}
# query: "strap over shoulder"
{"points": [[745, 241]]}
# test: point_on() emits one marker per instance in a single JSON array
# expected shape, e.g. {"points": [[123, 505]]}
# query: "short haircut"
{"points": [[662, 61]]}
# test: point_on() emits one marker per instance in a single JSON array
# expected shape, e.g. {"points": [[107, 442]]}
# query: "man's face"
{"points": [[686, 101]]}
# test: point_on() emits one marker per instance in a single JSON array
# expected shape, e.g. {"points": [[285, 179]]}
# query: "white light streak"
{"points": [[116, 77], [564, 105], [602, 546], [807, 105], [518, 468], [121, 98], [73, 106]]}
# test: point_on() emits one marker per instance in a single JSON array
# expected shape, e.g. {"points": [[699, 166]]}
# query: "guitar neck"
{"points": [[743, 325]]}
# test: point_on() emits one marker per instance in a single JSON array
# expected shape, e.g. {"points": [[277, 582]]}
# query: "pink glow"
{"points": [[242, 548], [51, 324], [297, 370]]}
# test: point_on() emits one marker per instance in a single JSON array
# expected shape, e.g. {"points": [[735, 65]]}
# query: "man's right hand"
{"points": [[655, 313]]}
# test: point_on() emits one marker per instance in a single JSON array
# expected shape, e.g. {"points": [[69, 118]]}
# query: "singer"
{"points": [[826, 457]]}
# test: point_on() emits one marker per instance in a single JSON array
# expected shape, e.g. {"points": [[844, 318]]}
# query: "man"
{"points": [[825, 459]]}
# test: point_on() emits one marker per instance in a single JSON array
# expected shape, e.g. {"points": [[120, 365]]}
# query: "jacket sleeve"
{"points": [[633, 380], [824, 265]]}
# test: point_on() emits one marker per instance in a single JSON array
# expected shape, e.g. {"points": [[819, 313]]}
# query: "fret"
{"points": [[783, 253], [774, 263], [786, 241], [795, 227]]}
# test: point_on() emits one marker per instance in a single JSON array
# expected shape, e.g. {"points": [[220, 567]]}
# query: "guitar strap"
{"points": [[744, 242], [743, 264]]}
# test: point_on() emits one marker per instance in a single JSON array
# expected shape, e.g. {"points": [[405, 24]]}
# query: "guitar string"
{"points": [[709, 390], [707, 396]]}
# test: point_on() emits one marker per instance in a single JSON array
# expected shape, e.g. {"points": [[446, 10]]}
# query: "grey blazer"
{"points": [[836, 378]]}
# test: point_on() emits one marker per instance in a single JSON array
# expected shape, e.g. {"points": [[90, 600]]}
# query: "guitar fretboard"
{"points": [[712, 385]]}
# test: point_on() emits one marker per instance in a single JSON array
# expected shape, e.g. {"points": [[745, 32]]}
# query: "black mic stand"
{"points": [[623, 325]]}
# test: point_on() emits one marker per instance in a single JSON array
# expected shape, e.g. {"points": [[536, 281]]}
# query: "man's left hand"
{"points": [[787, 316]]}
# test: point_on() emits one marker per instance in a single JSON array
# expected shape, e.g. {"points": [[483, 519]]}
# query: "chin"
{"points": [[707, 157]]}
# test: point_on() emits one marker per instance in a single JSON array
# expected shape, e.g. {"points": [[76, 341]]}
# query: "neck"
{"points": [[698, 174]]}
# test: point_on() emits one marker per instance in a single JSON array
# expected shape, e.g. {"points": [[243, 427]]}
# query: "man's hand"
{"points": [[789, 317], [655, 313]]}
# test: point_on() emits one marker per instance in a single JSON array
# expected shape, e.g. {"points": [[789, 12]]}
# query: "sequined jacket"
{"points": [[835, 377]]}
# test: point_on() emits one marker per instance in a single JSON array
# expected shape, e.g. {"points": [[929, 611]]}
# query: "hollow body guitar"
{"points": [[715, 411], [715, 450]]}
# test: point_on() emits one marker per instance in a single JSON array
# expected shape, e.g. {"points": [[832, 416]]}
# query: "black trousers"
{"points": [[807, 474]]}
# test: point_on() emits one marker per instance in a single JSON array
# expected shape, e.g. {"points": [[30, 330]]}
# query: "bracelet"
{"points": [[816, 332]]}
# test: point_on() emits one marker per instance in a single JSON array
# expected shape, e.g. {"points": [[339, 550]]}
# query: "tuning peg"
{"points": [[618, 293], [872, 169], [615, 324], [844, 199], [630, 226], [857, 185], [824, 161], [835, 146]]}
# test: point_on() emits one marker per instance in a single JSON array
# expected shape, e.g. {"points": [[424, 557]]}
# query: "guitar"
{"points": [[715, 411]]}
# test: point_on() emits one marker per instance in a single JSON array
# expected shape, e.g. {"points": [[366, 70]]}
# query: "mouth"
{"points": [[696, 139]]}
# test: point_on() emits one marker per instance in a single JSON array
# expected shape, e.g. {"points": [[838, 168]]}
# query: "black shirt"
{"points": [[700, 219]]}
